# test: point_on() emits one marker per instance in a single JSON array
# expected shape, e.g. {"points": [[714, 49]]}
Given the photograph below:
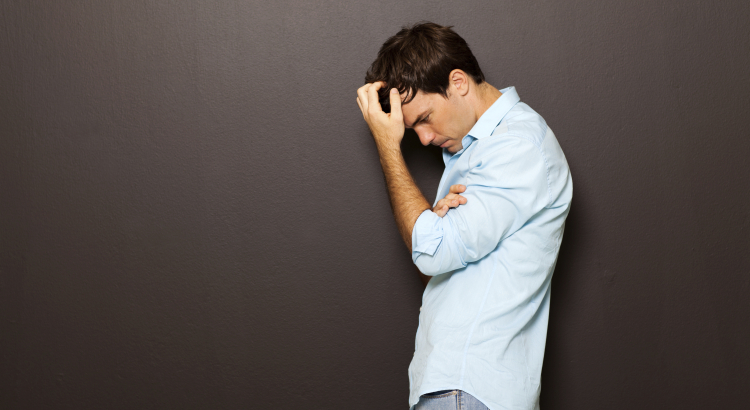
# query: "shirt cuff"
{"points": [[426, 235]]}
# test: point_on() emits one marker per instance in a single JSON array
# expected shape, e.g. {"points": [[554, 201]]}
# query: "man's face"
{"points": [[438, 120]]}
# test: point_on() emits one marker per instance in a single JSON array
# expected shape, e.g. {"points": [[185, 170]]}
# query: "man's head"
{"points": [[434, 71]]}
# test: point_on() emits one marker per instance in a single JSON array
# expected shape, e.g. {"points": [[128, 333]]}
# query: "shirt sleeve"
{"points": [[506, 185]]}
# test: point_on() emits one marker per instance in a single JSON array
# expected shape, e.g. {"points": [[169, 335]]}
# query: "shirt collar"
{"points": [[489, 120], [495, 114]]}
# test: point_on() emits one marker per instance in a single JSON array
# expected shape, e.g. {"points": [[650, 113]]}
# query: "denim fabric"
{"points": [[449, 400]]}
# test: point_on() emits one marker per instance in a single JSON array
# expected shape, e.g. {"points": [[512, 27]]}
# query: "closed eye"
{"points": [[419, 119]]}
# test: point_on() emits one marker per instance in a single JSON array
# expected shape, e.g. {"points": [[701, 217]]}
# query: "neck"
{"points": [[486, 96]]}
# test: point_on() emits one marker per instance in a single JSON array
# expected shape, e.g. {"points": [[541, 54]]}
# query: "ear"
{"points": [[458, 82]]}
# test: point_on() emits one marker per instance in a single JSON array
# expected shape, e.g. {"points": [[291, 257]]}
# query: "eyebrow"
{"points": [[418, 120]]}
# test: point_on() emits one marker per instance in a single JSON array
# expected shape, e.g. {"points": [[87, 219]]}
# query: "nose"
{"points": [[425, 137]]}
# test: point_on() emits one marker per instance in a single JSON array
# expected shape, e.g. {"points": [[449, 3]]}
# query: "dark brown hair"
{"points": [[420, 58]]}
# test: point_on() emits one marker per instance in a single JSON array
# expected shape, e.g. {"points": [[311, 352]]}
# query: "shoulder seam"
{"points": [[546, 166]]}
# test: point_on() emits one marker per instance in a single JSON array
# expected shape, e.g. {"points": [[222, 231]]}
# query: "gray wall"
{"points": [[193, 213]]}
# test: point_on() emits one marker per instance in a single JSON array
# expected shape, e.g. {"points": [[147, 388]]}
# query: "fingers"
{"points": [[452, 200], [443, 205], [455, 199], [454, 191], [373, 102], [396, 113], [362, 97], [460, 199], [367, 97], [457, 189], [441, 211]]}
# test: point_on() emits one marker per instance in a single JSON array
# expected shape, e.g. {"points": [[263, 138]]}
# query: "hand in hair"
{"points": [[452, 200], [386, 129]]}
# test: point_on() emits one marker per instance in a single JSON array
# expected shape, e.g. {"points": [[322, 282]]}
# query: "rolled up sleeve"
{"points": [[506, 185]]}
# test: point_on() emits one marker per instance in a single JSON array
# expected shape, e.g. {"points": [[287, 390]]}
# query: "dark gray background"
{"points": [[193, 213]]}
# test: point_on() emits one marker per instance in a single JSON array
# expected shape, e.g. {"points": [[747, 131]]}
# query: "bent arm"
{"points": [[407, 201], [505, 187]]}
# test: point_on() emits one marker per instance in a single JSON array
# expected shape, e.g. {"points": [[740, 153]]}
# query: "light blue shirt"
{"points": [[483, 320]]}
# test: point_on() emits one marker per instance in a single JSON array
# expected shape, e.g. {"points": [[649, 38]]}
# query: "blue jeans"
{"points": [[449, 400]]}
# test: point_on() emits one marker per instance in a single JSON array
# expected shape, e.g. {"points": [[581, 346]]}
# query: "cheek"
{"points": [[441, 126], [448, 127], [452, 123]]}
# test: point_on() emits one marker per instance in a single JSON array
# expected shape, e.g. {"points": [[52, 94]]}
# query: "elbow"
{"points": [[436, 264], [427, 269], [435, 250]]}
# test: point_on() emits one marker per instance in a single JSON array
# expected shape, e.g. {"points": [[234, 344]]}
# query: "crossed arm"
{"points": [[407, 201]]}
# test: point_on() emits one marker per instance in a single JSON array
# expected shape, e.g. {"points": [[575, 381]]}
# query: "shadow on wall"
{"points": [[569, 262], [571, 250], [425, 164]]}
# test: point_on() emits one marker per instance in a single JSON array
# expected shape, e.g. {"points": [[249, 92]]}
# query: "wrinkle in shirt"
{"points": [[483, 322]]}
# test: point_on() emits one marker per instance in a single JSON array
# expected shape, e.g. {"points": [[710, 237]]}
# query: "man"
{"points": [[491, 242]]}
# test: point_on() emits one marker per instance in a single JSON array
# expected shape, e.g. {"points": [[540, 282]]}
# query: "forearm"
{"points": [[407, 201]]}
